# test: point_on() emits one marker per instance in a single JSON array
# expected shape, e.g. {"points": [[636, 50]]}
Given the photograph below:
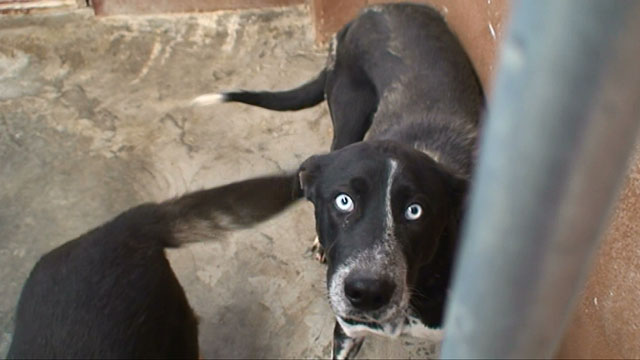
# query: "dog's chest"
{"points": [[417, 329], [417, 337]]}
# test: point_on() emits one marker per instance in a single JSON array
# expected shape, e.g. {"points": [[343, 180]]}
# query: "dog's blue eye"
{"points": [[413, 212], [344, 203]]}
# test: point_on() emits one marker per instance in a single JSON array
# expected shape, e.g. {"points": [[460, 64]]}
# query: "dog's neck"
{"points": [[450, 141]]}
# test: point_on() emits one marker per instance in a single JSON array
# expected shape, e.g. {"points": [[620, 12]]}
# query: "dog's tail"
{"points": [[208, 213], [302, 97]]}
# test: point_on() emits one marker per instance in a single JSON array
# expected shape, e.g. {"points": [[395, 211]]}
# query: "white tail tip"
{"points": [[209, 99]]}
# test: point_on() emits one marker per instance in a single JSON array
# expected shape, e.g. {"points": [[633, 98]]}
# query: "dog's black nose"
{"points": [[366, 292]]}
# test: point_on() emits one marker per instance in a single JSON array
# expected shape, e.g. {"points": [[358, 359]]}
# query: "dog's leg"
{"points": [[352, 105], [345, 347], [318, 251]]}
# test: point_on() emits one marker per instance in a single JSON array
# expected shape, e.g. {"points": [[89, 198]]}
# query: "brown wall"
{"points": [[478, 24], [114, 7], [606, 324]]}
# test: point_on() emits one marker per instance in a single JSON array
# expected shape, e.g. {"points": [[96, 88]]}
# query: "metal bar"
{"points": [[560, 129]]}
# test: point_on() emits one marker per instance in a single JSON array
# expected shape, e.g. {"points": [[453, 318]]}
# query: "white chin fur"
{"points": [[209, 99], [391, 329]]}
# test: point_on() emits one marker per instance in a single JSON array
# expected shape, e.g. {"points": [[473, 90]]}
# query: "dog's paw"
{"points": [[318, 251]]}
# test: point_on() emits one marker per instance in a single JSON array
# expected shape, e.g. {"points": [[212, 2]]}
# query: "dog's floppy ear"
{"points": [[458, 188], [308, 175], [458, 193]]}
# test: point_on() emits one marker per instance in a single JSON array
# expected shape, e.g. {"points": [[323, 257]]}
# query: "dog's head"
{"points": [[380, 210]]}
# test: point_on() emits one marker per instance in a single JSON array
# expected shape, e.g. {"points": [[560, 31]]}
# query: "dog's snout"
{"points": [[367, 292]]}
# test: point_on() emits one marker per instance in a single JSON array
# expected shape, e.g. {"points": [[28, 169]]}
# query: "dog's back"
{"points": [[415, 62], [110, 294], [428, 92]]}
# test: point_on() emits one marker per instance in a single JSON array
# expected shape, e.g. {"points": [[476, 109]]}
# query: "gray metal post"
{"points": [[561, 125]]}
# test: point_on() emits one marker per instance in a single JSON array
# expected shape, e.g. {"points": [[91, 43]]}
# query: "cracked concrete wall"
{"points": [[129, 7]]}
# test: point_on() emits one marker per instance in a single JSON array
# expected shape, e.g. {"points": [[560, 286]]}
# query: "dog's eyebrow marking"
{"points": [[431, 153], [393, 165]]}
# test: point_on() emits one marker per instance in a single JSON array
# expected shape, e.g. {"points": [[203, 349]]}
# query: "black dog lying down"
{"points": [[111, 293], [405, 104]]}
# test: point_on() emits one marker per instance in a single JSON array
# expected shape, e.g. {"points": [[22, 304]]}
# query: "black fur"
{"points": [[399, 87], [111, 293]]}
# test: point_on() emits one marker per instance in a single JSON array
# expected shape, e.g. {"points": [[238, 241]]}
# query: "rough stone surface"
{"points": [[93, 121]]}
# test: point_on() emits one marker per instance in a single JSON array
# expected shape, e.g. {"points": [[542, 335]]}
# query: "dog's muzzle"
{"points": [[368, 292], [370, 287]]}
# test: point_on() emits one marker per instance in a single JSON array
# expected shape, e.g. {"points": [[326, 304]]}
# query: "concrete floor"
{"points": [[92, 121]]}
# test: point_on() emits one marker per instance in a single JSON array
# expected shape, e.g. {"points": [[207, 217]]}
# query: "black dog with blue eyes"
{"points": [[405, 104]]}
